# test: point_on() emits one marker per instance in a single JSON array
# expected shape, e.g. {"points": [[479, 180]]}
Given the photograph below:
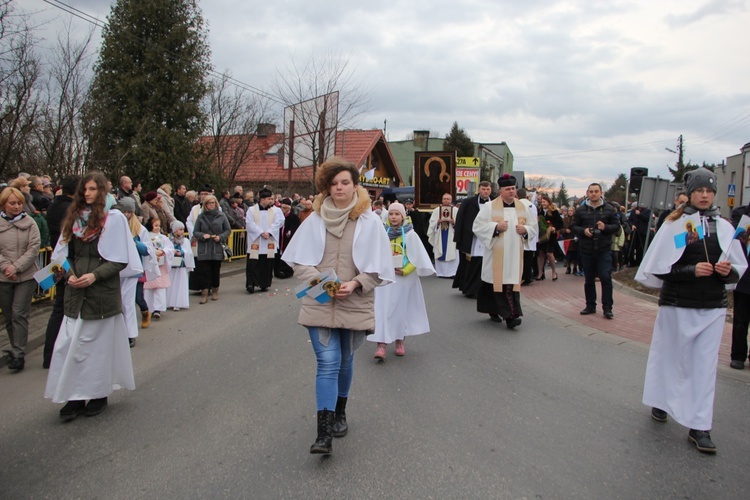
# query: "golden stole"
{"points": [[498, 250]]}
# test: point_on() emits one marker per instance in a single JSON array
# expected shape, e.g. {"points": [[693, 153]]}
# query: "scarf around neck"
{"points": [[13, 219], [80, 226], [335, 218], [395, 232]]}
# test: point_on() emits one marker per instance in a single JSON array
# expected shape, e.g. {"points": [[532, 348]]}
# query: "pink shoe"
{"points": [[400, 351], [380, 352]]}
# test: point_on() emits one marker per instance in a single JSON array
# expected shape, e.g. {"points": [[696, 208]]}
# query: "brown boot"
{"points": [[215, 293], [145, 319], [204, 296]]}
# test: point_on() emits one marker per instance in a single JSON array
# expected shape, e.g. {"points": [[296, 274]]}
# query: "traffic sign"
{"points": [[731, 190], [467, 161]]}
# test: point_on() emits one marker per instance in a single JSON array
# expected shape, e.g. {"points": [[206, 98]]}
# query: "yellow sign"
{"points": [[730, 201], [463, 177], [467, 161]]}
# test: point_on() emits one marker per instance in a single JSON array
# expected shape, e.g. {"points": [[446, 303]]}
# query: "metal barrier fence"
{"points": [[238, 244]]}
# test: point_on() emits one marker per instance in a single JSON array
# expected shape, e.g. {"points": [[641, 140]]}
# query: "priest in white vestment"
{"points": [[440, 233], [262, 222], [504, 227]]}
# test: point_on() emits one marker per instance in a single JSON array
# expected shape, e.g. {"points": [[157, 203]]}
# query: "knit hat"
{"points": [[127, 204], [398, 207], [151, 195], [175, 225], [699, 178], [506, 180]]}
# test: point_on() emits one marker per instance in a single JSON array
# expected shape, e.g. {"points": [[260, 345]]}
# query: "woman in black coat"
{"points": [[551, 220]]}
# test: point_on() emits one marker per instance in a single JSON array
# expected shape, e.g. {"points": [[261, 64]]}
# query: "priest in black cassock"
{"points": [[504, 226], [468, 275], [281, 269]]}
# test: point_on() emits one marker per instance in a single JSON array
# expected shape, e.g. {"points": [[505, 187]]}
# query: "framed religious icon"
{"points": [[434, 176], [446, 214]]}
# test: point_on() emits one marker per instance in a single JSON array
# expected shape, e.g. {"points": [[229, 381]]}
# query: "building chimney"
{"points": [[265, 129], [420, 138]]}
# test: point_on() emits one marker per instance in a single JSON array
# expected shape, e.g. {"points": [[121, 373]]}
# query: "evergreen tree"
{"points": [[617, 191], [562, 195], [459, 141], [144, 115]]}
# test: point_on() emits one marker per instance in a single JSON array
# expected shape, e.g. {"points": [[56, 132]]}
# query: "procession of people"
{"points": [[365, 261]]}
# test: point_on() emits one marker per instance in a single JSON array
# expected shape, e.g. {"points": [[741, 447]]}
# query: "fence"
{"points": [[238, 244]]}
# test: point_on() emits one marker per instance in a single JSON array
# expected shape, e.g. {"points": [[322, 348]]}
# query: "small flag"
{"points": [[693, 231], [564, 245], [52, 273], [370, 174], [743, 228]]}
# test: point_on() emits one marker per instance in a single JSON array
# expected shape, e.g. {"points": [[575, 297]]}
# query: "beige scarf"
{"points": [[335, 218], [255, 245], [498, 250]]}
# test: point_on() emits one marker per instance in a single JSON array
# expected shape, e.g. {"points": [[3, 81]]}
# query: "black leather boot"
{"points": [[340, 428], [324, 443]]}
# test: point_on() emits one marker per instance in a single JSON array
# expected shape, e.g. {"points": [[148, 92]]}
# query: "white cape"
{"points": [[115, 245], [662, 252], [371, 251], [400, 308]]}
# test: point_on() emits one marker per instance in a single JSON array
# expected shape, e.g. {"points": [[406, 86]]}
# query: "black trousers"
{"points": [[528, 258], [740, 323], [259, 272], [54, 322], [207, 273]]}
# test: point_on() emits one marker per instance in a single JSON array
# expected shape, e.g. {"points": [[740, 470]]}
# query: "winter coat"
{"points": [[682, 288], [743, 286], [19, 246], [211, 222], [56, 214], [102, 299], [586, 217], [357, 311]]}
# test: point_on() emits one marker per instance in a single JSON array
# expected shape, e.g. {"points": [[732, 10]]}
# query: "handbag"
{"points": [[176, 261], [228, 254]]}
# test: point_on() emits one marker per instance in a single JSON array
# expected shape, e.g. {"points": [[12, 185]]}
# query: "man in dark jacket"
{"points": [[741, 316], [420, 222], [182, 205], [281, 269], [56, 213], [595, 222], [470, 250]]}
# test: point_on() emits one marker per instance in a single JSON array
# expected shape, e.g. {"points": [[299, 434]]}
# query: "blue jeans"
{"points": [[335, 367], [599, 264], [139, 300]]}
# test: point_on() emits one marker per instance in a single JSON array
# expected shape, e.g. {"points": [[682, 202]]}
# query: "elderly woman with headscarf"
{"points": [[344, 235]]}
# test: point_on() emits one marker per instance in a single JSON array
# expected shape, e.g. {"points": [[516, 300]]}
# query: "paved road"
{"points": [[224, 407]]}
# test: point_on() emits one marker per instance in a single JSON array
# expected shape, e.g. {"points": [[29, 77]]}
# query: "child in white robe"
{"points": [[400, 308], [178, 294], [155, 290]]}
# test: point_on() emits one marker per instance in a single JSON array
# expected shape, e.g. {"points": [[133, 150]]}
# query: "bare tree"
{"points": [[58, 134], [320, 76], [233, 117], [540, 183], [20, 70]]}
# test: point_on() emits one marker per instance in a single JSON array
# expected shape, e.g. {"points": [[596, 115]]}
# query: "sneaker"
{"points": [[737, 364], [658, 415], [175, 309], [131, 342], [156, 315], [588, 310], [72, 409], [380, 351], [400, 350], [96, 406], [702, 441]]}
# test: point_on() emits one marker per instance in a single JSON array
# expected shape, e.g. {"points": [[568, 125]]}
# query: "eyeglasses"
{"points": [[704, 190]]}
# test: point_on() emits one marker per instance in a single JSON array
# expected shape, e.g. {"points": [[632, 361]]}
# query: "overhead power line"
{"points": [[99, 24]]}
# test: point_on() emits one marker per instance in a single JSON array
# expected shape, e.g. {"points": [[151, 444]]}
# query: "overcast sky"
{"points": [[579, 90]]}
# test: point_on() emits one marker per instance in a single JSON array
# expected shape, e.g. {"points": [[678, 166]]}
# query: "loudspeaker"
{"points": [[636, 176]]}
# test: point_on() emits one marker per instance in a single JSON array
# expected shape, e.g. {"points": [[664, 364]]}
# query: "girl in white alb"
{"points": [[155, 290], [183, 262]]}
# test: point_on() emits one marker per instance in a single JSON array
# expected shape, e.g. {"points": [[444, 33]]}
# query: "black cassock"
{"points": [[281, 269], [469, 273]]}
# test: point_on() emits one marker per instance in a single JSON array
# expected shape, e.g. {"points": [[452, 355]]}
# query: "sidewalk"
{"points": [[40, 312], [635, 312]]}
